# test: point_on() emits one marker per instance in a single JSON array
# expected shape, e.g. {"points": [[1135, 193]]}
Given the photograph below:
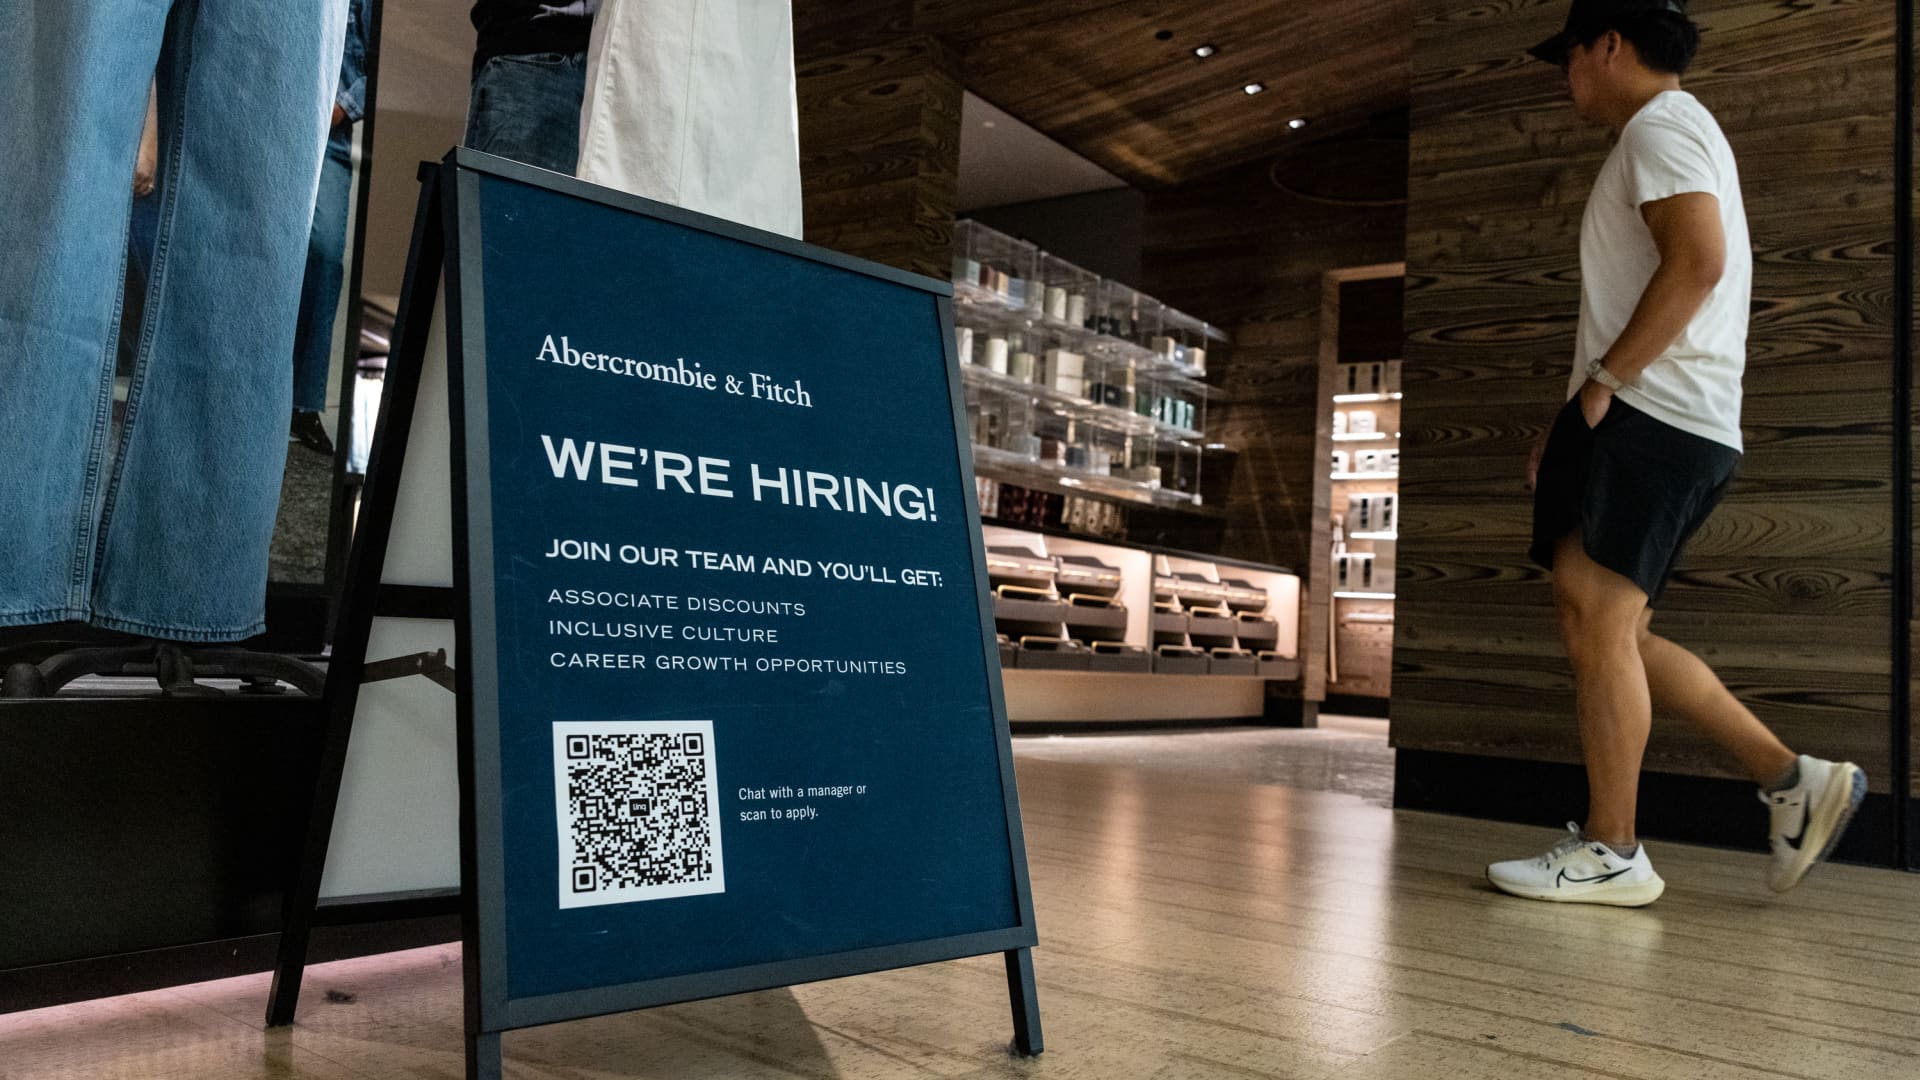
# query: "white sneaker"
{"points": [[1809, 817], [1581, 871]]}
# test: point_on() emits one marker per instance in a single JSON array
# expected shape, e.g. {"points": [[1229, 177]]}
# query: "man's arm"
{"points": [[1693, 254]]}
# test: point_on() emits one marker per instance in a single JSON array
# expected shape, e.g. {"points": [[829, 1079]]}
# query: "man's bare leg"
{"points": [[1600, 863], [1600, 624], [1682, 684]]}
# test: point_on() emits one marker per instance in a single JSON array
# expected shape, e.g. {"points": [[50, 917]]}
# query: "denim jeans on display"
{"points": [[167, 537], [352, 94], [527, 108], [326, 269]]}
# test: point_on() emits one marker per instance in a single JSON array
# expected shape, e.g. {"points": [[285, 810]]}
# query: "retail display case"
{"points": [[1076, 383], [1366, 524], [1071, 605]]}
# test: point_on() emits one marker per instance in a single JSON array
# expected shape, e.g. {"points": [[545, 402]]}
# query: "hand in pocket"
{"points": [[1595, 402]]}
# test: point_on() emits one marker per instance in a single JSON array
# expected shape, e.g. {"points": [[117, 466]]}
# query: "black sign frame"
{"points": [[446, 246]]}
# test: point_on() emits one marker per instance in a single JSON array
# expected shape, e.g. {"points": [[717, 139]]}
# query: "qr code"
{"points": [[638, 808]]}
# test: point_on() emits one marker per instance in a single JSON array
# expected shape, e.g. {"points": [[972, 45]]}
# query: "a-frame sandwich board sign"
{"points": [[728, 689]]}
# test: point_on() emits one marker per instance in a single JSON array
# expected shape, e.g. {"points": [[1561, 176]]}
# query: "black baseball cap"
{"points": [[1590, 18]]}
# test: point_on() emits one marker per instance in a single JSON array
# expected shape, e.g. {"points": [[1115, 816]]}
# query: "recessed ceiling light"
{"points": [[1253, 88], [989, 123], [1297, 123], [1204, 51]]}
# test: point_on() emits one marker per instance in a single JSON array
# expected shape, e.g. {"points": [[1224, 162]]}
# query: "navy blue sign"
{"points": [[732, 699]]}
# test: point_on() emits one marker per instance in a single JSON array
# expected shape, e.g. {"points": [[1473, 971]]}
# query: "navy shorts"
{"points": [[1634, 489]]}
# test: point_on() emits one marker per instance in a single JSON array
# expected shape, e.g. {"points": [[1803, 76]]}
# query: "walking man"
{"points": [[1644, 450]]}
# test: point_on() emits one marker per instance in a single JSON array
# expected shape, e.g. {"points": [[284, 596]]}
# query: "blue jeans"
{"points": [[326, 268], [167, 535], [528, 108]]}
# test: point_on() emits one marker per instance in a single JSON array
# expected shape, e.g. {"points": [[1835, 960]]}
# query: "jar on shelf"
{"points": [[1063, 367], [993, 267], [1107, 450], [1175, 404], [1139, 461], [1067, 291], [1181, 343], [1022, 362], [994, 352], [1058, 435], [1116, 384], [1123, 312]]}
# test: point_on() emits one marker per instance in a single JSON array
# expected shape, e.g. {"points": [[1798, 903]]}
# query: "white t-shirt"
{"points": [[1672, 146]]}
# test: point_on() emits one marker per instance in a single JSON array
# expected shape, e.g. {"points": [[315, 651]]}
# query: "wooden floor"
{"points": [[1188, 929]]}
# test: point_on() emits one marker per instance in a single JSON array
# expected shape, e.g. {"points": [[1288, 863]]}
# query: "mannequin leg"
{"points": [[76, 89], [246, 92]]}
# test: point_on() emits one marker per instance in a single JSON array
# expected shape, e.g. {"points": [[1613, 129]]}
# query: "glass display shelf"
{"points": [[1107, 416], [1016, 468], [1076, 383], [985, 311], [999, 277]]}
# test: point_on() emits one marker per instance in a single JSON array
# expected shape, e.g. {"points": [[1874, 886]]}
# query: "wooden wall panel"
{"points": [[1787, 592], [880, 150], [1247, 249]]}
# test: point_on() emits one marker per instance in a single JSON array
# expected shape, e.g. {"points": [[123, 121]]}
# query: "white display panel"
{"points": [[397, 826]]}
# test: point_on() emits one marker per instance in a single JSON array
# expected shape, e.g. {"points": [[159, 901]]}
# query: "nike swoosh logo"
{"points": [[1795, 841], [1588, 880]]}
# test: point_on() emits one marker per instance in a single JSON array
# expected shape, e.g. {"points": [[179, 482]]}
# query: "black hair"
{"points": [[1665, 41]]}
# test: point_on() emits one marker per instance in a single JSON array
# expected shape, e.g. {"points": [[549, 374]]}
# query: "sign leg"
{"points": [[1026, 1003], [483, 1056], [366, 560]]}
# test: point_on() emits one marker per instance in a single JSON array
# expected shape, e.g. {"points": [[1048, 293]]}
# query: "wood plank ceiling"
{"points": [[1094, 75]]}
